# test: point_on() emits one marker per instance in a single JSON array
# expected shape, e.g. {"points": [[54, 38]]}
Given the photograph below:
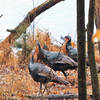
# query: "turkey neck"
{"points": [[32, 59], [67, 45]]}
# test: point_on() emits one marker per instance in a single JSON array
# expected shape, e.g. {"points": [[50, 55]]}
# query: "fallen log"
{"points": [[54, 96]]}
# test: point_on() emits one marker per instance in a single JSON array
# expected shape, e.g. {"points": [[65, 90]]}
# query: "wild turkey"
{"points": [[72, 52], [43, 74], [56, 60]]}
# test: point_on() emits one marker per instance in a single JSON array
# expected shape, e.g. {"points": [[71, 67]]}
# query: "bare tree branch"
{"points": [[21, 28], [1, 15]]}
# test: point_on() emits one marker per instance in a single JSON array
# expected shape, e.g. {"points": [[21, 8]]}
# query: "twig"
{"points": [[12, 31], [1, 15], [60, 48]]}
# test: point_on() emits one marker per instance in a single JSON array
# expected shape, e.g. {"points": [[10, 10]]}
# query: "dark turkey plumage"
{"points": [[43, 74], [45, 47], [57, 61]]}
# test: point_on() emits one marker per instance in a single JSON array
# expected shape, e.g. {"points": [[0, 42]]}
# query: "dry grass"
{"points": [[7, 57], [96, 35], [15, 80]]}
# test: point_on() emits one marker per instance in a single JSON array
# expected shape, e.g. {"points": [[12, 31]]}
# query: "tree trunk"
{"points": [[94, 78], [81, 50], [99, 46], [97, 19], [97, 14]]}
